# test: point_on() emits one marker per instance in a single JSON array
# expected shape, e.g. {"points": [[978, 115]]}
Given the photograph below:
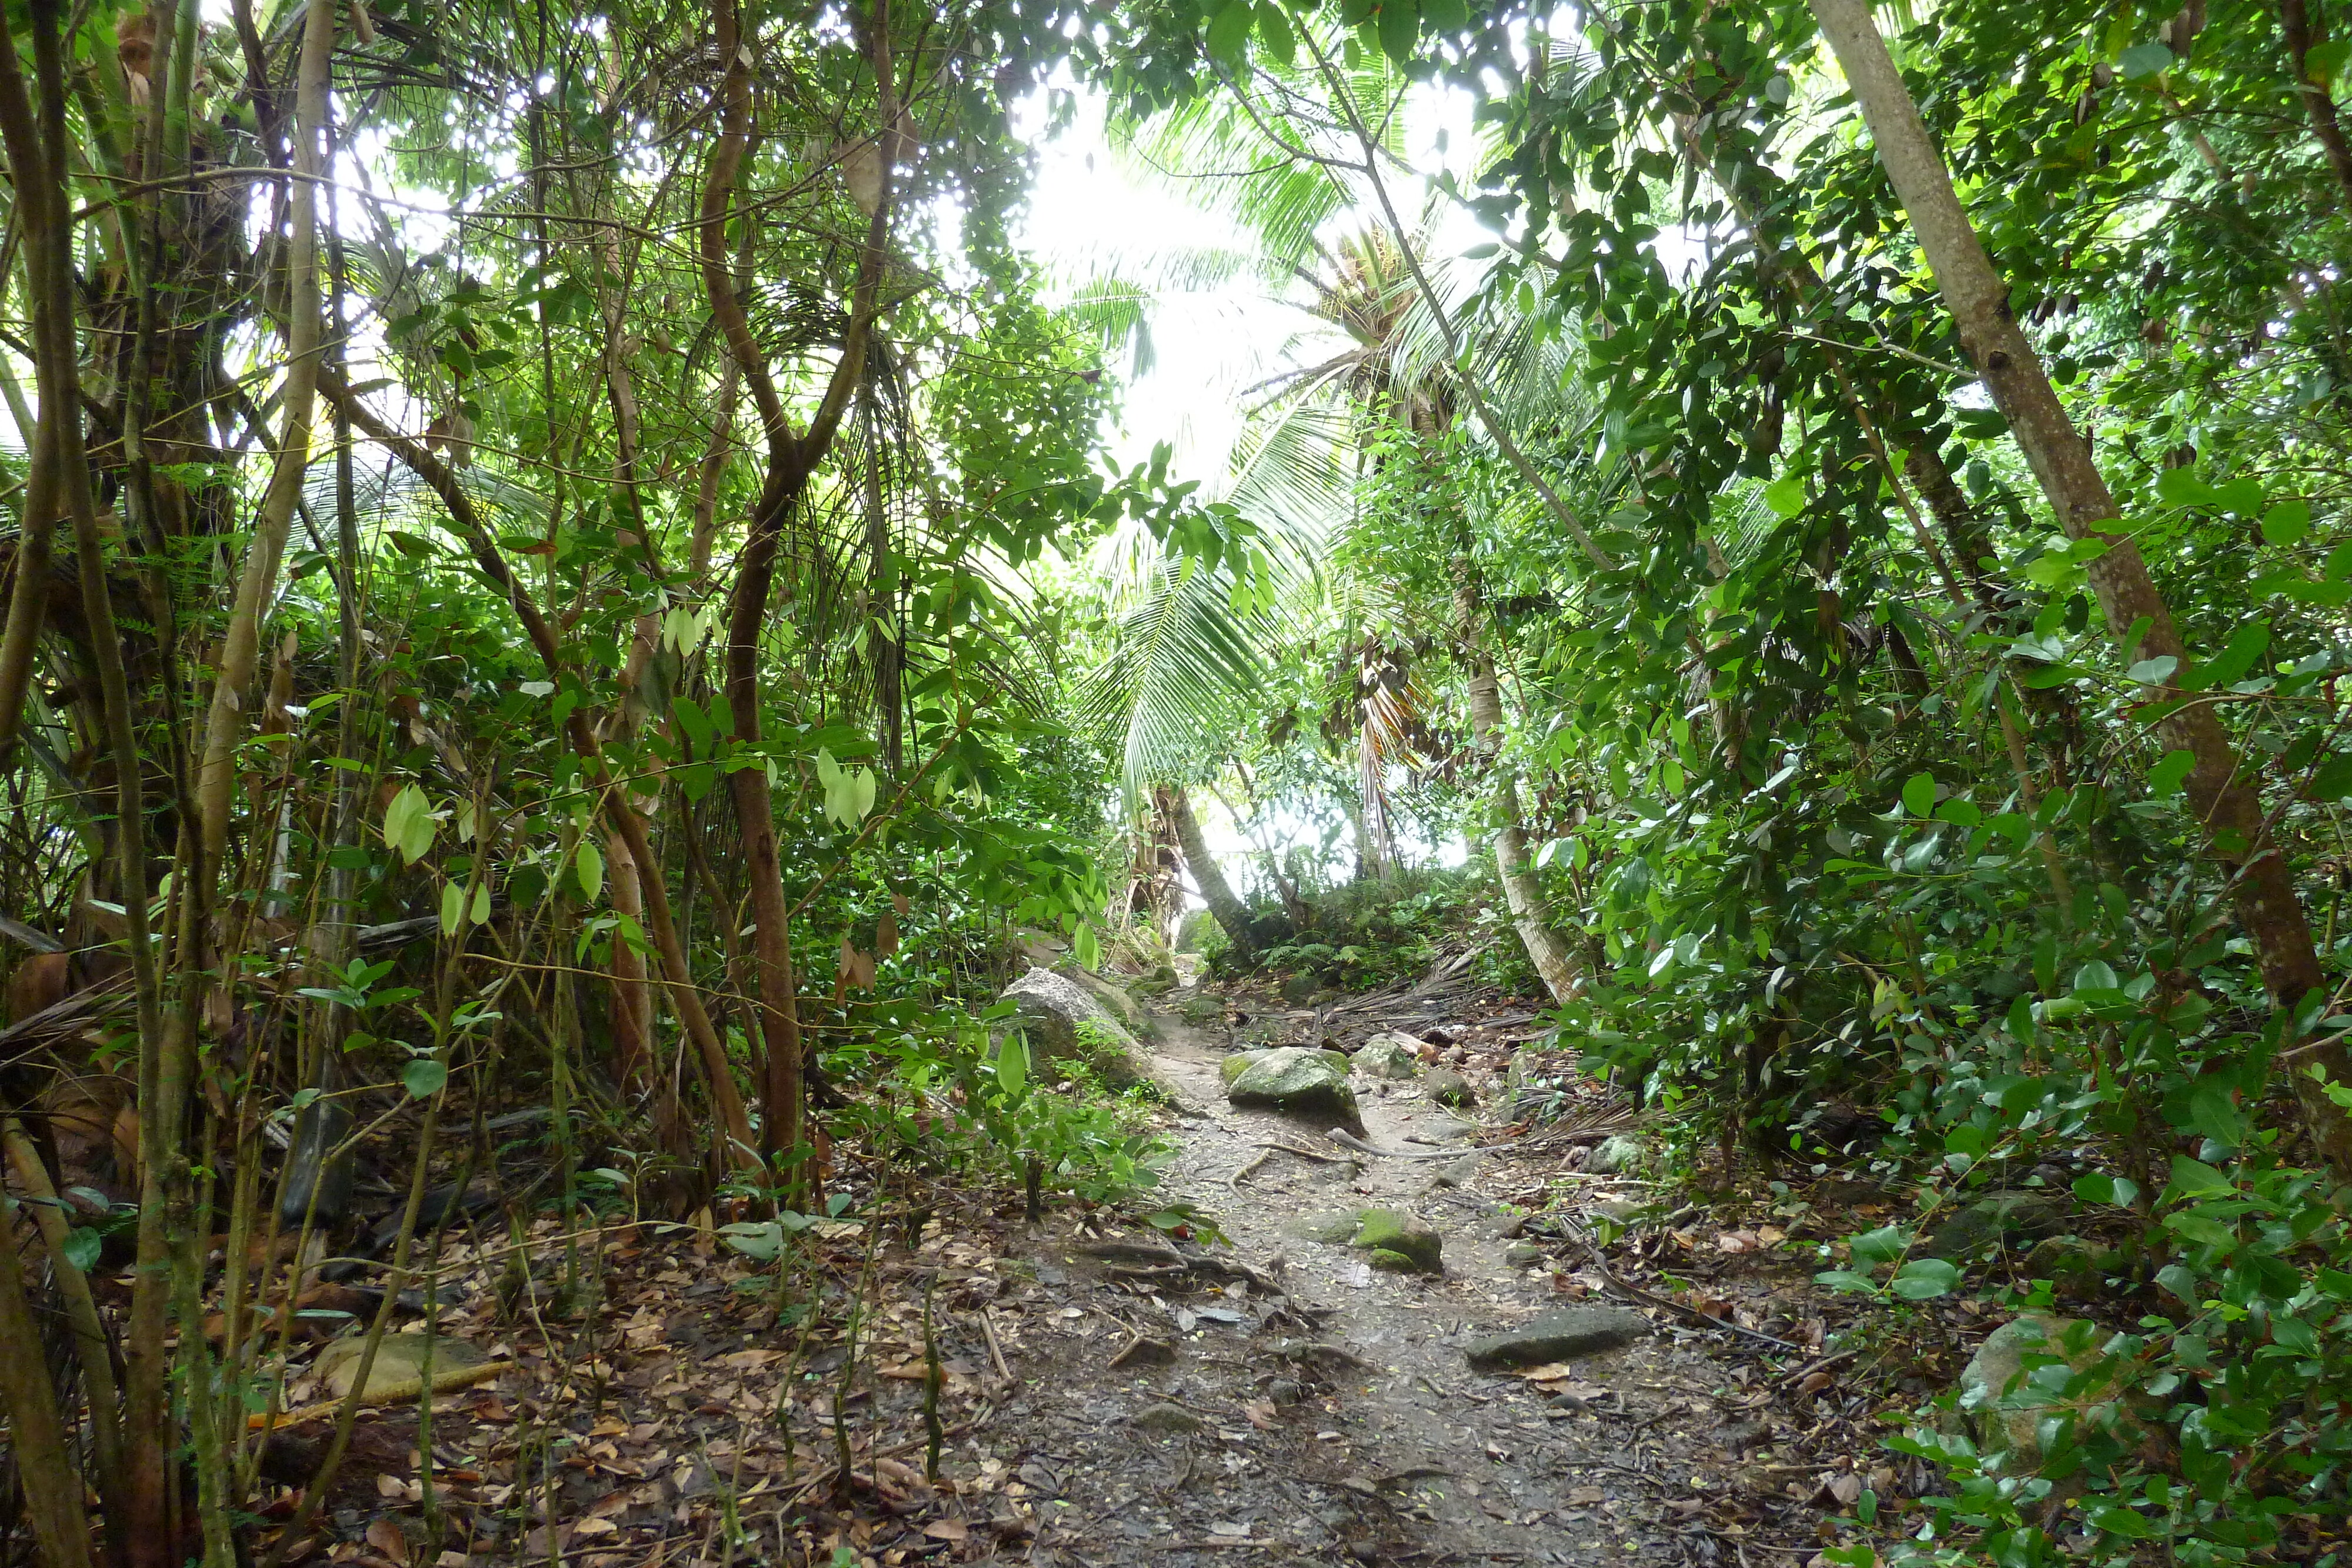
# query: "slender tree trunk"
{"points": [[791, 462], [53, 1491], [224, 727], [1520, 890], [2306, 27], [2220, 789]]}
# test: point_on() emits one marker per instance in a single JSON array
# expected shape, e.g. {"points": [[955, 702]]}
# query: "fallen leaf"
{"points": [[1736, 1241], [386, 1536], [1815, 1382], [592, 1525], [1845, 1489], [1585, 1497], [1261, 1414], [948, 1529], [1770, 1235]]}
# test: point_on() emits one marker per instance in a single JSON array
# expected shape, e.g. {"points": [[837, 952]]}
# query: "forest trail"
{"points": [[1221, 1439]]}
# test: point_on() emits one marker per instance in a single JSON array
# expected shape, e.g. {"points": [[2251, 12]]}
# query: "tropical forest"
{"points": [[1434, 783]]}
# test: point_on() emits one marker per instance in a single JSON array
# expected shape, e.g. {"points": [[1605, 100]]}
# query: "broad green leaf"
{"points": [[1086, 948], [1229, 30], [2164, 779], [592, 870], [2140, 62], [424, 1077], [453, 907], [1876, 1248], [408, 824], [1922, 1278], [480, 913], [1786, 495], [1012, 1064], [1919, 795], [2288, 522], [2153, 672], [83, 1247]]}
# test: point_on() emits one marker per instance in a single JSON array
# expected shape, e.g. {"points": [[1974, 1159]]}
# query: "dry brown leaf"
{"points": [[1585, 1497], [386, 1536], [1260, 1413], [592, 1525], [1735, 1241], [952, 1529]]}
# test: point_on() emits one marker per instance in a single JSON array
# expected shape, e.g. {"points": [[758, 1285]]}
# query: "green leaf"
{"points": [[1012, 1064], [1275, 30], [1786, 495], [592, 870], [1847, 1280], [1876, 1248], [2153, 672], [1229, 30], [2165, 780], [2194, 1178], [1919, 794], [1086, 947], [424, 1077], [2245, 646], [82, 1248], [408, 825], [2140, 62], [480, 913], [453, 907], [2100, 1188], [1923, 1279], [1399, 22], [2286, 522]]}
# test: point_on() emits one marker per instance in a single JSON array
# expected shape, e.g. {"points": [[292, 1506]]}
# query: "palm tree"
{"points": [[1387, 342]]}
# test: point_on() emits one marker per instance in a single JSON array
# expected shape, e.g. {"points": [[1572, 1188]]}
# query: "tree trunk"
{"points": [[2305, 27], [2227, 806], [1520, 891], [1229, 912]]}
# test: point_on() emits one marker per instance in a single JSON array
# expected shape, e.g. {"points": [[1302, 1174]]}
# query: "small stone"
{"points": [[1399, 1242], [1169, 1420], [1447, 1087], [1563, 1335], [1456, 1172], [1286, 1391], [1523, 1254]]}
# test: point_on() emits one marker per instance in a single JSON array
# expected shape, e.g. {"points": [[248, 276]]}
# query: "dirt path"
{"points": [[1226, 1438]]}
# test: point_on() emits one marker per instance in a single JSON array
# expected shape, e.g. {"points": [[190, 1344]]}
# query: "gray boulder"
{"points": [[2004, 1404], [1301, 1082], [1387, 1055], [1564, 1334], [1068, 1023], [1622, 1153]]}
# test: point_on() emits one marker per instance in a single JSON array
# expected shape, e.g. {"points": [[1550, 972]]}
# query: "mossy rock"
{"points": [[1239, 1062], [1391, 1233], [1385, 1056], [1300, 1082]]}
